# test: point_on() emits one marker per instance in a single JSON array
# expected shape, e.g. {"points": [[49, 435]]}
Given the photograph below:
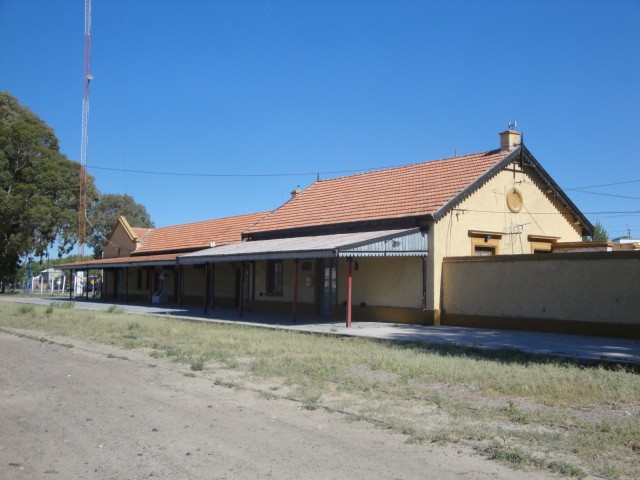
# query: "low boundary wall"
{"points": [[590, 293]]}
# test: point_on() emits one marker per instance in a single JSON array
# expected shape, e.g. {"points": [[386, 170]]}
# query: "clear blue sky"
{"points": [[297, 87]]}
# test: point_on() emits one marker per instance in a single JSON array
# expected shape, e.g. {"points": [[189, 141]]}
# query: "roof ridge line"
{"points": [[265, 212], [384, 169]]}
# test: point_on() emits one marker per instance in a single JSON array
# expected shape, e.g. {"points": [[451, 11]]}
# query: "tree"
{"points": [[599, 233], [103, 216], [38, 189]]}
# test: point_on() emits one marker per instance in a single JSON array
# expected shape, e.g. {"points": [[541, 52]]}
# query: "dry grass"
{"points": [[528, 411]]}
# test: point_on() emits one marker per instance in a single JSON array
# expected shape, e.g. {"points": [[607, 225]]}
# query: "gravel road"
{"points": [[91, 411]]}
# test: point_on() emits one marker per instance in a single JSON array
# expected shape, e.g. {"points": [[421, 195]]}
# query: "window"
{"points": [[541, 243], [274, 277], [480, 251], [485, 243]]}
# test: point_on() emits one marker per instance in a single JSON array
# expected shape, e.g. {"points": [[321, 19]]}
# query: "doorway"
{"points": [[327, 287]]}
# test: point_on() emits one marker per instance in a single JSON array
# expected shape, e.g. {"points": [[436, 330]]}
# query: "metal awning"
{"points": [[384, 243]]}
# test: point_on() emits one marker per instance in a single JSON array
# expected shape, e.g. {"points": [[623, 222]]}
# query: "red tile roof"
{"points": [[406, 191], [193, 236], [140, 232]]}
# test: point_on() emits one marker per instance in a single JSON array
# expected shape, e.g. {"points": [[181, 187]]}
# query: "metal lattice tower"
{"points": [[84, 144]]}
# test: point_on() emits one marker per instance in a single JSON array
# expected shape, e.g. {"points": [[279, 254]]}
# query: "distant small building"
{"points": [[625, 240], [50, 274]]}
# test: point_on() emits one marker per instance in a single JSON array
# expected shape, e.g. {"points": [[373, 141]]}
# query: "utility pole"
{"points": [[84, 144]]}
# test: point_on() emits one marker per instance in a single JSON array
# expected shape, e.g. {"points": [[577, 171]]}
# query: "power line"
{"points": [[239, 175], [629, 212], [606, 194], [329, 172], [603, 185]]}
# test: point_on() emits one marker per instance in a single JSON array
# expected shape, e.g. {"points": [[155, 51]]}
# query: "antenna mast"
{"points": [[86, 79]]}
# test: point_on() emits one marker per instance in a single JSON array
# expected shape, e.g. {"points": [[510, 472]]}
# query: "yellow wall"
{"points": [[119, 244], [592, 288], [225, 281], [486, 210], [193, 284], [383, 282]]}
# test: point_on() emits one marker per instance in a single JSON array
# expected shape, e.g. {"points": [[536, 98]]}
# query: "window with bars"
{"points": [[274, 277]]}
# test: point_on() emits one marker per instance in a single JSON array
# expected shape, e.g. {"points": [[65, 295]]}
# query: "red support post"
{"points": [[295, 290], [349, 291]]}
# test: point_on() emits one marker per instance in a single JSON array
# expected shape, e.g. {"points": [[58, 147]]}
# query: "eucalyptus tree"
{"points": [[38, 189]]}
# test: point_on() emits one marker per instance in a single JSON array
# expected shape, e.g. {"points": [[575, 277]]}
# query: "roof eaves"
{"points": [[169, 250], [101, 264], [127, 228]]}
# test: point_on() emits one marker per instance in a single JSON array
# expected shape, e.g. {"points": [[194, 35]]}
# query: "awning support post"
{"points": [[180, 284], [213, 285], [126, 284], [349, 290], [71, 285], [150, 284], [295, 290], [207, 287], [241, 292]]}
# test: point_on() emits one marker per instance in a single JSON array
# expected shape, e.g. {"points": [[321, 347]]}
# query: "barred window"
{"points": [[274, 277]]}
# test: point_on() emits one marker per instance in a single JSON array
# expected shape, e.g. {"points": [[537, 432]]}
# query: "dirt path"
{"points": [[85, 412]]}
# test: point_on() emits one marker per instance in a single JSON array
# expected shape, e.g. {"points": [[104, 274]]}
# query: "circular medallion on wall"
{"points": [[515, 201]]}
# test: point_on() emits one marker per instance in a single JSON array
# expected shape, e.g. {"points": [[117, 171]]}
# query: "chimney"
{"points": [[509, 140], [295, 193]]}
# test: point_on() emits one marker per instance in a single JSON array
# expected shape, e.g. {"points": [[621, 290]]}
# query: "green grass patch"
{"points": [[26, 309]]}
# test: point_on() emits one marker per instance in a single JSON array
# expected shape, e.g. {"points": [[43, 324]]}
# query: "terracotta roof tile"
{"points": [[140, 232], [192, 236], [411, 190]]}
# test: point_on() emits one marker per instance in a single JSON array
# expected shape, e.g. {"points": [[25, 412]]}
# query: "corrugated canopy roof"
{"points": [[412, 242]]}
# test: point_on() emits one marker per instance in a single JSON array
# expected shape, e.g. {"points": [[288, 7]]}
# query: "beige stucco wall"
{"points": [[585, 287], [486, 210], [389, 282], [383, 282], [224, 283], [193, 283], [132, 288], [119, 244]]}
